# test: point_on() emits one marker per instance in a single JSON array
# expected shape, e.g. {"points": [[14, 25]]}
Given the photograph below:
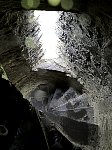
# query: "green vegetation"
{"points": [[30, 4], [67, 4], [54, 2]]}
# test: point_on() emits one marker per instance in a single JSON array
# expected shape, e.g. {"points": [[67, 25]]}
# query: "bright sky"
{"points": [[47, 21]]}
